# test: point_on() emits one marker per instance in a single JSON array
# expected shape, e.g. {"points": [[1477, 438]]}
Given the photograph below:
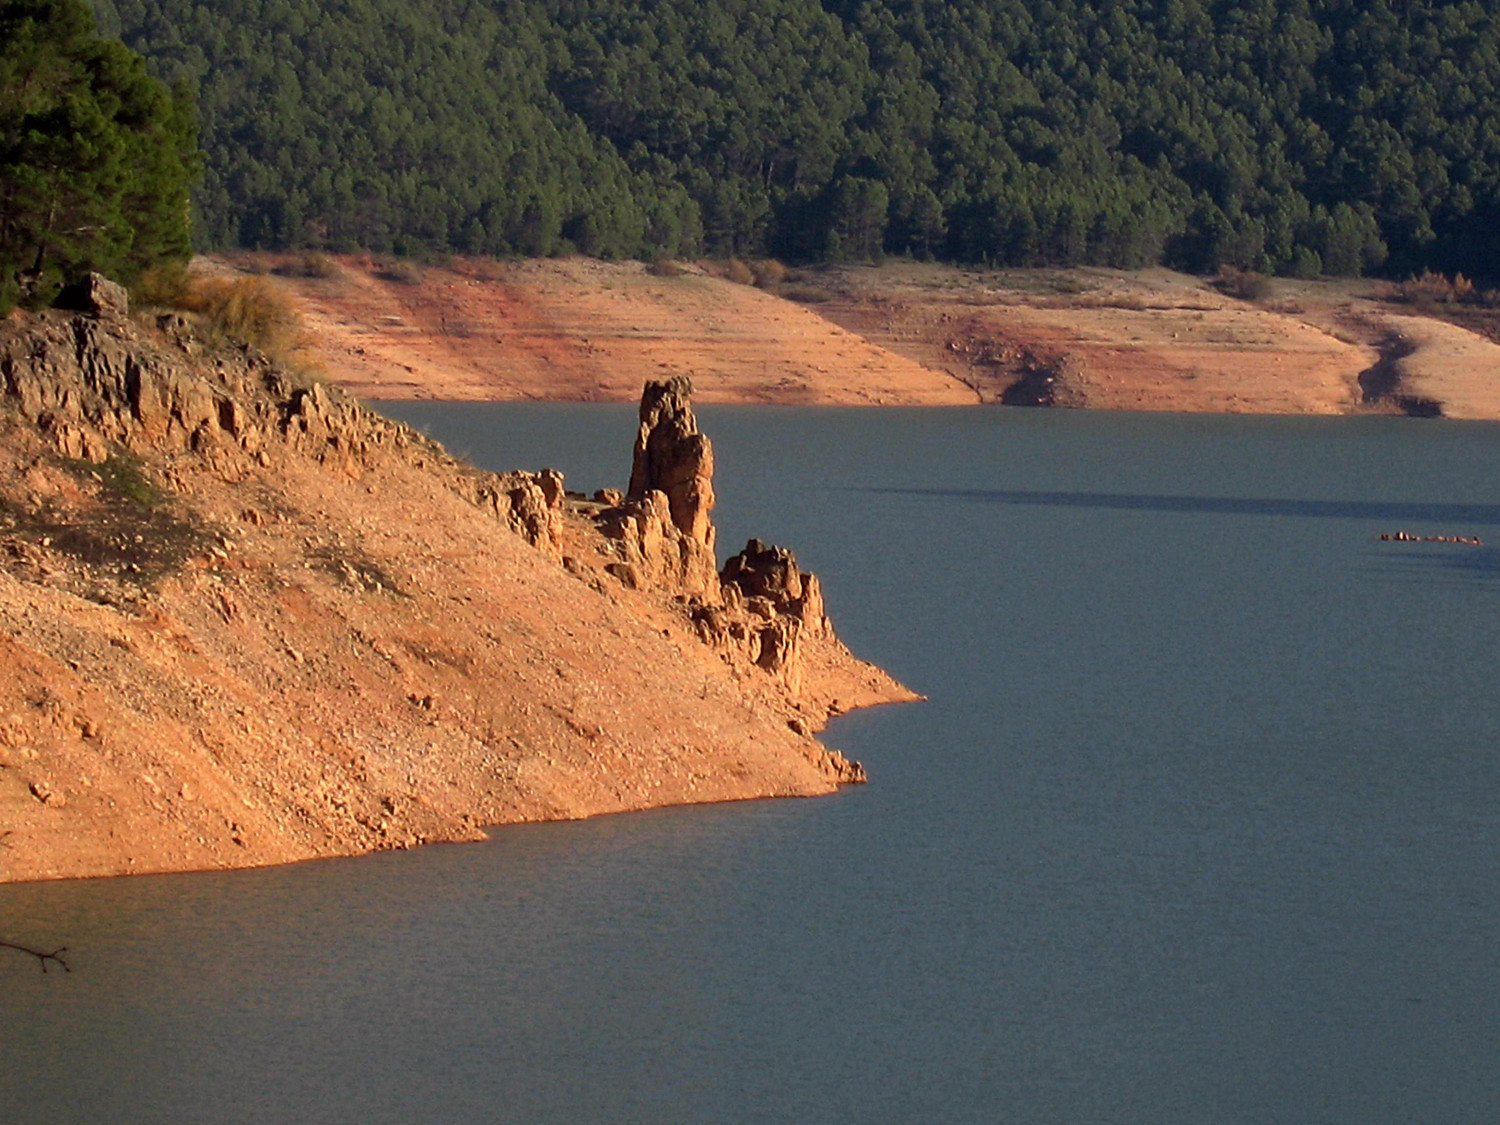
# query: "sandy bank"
{"points": [[1450, 366]]}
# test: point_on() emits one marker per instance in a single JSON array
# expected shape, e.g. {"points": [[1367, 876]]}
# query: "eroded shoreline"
{"points": [[248, 622]]}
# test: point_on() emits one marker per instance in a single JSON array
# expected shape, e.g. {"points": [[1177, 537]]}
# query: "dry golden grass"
{"points": [[244, 310], [736, 271], [768, 273]]}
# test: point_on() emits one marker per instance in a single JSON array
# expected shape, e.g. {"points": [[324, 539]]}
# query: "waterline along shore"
{"points": [[247, 621]]}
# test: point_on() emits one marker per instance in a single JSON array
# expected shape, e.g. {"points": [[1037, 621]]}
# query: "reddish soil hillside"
{"points": [[579, 330], [902, 334], [245, 621]]}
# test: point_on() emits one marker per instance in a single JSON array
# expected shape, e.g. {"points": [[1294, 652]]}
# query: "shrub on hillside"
{"points": [[1431, 288], [769, 273], [737, 272], [480, 269], [400, 271], [252, 310], [242, 310], [805, 294], [1244, 285], [309, 265], [164, 286]]}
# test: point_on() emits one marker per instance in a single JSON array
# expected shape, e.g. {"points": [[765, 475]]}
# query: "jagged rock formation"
{"points": [[530, 504], [770, 574], [768, 608], [663, 526], [672, 457], [761, 608]]}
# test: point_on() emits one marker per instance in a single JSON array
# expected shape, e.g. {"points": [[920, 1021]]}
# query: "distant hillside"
{"points": [[1295, 136]]}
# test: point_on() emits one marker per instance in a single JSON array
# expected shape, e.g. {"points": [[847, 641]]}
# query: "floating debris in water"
{"points": [[1407, 537]]}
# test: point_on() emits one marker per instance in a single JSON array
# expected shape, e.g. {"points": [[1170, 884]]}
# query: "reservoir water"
{"points": [[1200, 823]]}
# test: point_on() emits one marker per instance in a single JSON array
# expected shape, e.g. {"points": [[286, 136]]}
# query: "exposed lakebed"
{"points": [[1201, 822]]}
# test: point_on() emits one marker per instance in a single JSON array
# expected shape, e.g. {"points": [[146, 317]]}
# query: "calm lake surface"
{"points": [[1201, 823]]}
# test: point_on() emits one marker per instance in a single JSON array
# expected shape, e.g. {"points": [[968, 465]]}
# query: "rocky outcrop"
{"points": [[244, 621], [740, 633], [98, 382], [663, 528], [770, 575], [768, 609], [1408, 537], [530, 504], [673, 458], [761, 609], [96, 295]]}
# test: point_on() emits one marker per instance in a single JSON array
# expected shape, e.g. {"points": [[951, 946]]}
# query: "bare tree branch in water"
{"points": [[41, 955]]}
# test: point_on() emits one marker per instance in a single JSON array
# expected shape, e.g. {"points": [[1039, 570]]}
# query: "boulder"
{"points": [[97, 296]]}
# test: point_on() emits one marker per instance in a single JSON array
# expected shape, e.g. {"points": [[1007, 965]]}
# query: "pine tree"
{"points": [[96, 156]]}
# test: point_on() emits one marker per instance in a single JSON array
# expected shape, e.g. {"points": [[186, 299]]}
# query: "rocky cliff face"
{"points": [[91, 383], [244, 620]]}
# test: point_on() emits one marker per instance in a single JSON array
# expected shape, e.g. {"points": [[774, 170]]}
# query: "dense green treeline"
{"points": [[1300, 136]]}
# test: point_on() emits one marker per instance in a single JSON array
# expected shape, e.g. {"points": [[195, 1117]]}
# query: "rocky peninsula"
{"points": [[245, 620]]}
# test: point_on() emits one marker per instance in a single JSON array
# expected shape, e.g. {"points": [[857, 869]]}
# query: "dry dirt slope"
{"points": [[581, 330], [903, 334], [245, 622], [1158, 340]]}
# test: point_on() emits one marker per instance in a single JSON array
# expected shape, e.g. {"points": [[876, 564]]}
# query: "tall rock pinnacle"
{"points": [[664, 530], [672, 457]]}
